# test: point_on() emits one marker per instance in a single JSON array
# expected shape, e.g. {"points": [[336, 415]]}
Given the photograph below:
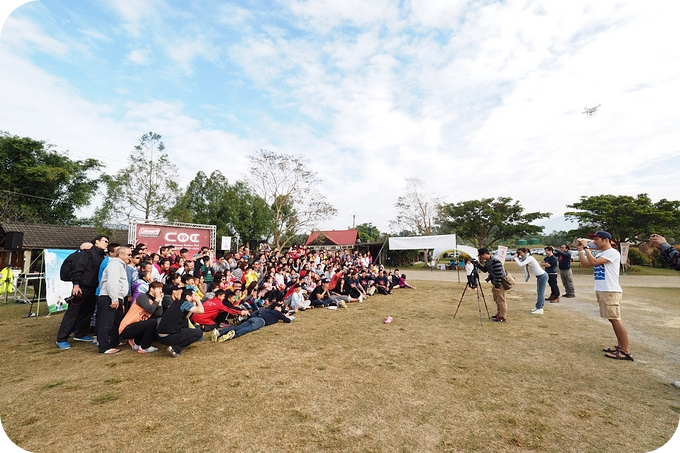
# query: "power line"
{"points": [[27, 195]]}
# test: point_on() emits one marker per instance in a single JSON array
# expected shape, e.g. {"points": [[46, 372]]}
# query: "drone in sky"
{"points": [[591, 111]]}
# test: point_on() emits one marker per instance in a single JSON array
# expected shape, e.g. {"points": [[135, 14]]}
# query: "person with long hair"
{"points": [[530, 266]]}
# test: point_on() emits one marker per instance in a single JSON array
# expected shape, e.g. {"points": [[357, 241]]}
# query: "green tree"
{"points": [[487, 221], [626, 218], [368, 233], [289, 188], [145, 188], [38, 184], [233, 208]]}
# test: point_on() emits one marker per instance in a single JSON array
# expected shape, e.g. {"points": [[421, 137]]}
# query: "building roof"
{"points": [[42, 236], [333, 237]]}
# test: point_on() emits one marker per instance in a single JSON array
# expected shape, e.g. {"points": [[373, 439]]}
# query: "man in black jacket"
{"points": [[494, 266], [85, 278]]}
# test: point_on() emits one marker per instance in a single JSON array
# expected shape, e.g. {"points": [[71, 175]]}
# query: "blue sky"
{"points": [[477, 99]]}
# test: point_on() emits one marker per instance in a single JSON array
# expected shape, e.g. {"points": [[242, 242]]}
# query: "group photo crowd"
{"points": [[127, 295]]}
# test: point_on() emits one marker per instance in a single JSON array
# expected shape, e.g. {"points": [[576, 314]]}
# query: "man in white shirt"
{"points": [[605, 262]]}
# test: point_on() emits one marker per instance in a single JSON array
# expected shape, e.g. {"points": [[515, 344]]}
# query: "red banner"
{"points": [[157, 236]]}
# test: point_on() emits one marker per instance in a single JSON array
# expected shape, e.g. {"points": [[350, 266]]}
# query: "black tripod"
{"points": [[475, 274]]}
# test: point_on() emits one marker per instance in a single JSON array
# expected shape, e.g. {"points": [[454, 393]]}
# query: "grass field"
{"points": [[345, 381]]}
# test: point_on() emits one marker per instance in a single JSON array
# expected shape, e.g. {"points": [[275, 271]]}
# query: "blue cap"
{"points": [[601, 234]]}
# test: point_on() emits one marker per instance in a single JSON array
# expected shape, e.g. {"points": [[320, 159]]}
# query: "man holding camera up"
{"points": [[494, 267]]}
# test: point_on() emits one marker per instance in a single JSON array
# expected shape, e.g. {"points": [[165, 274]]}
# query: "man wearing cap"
{"points": [[605, 263], [494, 266]]}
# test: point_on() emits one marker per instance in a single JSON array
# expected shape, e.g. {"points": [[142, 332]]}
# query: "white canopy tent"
{"points": [[439, 243]]}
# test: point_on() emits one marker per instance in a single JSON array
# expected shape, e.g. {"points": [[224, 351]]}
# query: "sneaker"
{"points": [[361, 298], [342, 304], [173, 353], [499, 319], [555, 300], [148, 350], [227, 336], [87, 338], [570, 295], [63, 345], [214, 335], [494, 317], [537, 311], [133, 345], [111, 351]]}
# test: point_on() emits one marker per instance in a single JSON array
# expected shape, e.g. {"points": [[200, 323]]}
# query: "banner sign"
{"points": [[157, 236], [502, 252], [625, 247], [57, 290]]}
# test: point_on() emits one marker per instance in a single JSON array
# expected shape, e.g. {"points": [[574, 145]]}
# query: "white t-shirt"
{"points": [[469, 267], [607, 274]]}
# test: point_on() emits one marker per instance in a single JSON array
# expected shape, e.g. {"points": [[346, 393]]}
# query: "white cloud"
{"points": [[138, 56]]}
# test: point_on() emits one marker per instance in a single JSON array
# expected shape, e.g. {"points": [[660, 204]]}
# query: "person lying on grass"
{"points": [[259, 319], [217, 309]]}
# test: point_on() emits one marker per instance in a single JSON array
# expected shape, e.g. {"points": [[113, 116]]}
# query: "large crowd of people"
{"points": [[128, 295]]}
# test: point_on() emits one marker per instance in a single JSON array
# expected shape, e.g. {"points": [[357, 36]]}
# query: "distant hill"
{"points": [[557, 224]]}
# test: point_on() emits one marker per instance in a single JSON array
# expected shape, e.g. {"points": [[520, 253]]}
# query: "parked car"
{"points": [[574, 255], [537, 251]]}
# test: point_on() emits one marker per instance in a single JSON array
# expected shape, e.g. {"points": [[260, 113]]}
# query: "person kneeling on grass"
{"points": [[259, 319], [139, 324], [173, 330]]}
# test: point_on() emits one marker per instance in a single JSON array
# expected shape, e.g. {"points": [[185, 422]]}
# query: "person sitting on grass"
{"points": [[139, 324], [382, 283], [399, 280], [322, 297], [261, 318], [217, 310], [297, 300], [173, 330], [352, 288]]}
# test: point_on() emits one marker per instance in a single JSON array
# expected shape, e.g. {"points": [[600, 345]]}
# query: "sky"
{"points": [[477, 99]]}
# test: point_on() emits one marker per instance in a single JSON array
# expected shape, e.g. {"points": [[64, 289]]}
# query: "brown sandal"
{"points": [[619, 355]]}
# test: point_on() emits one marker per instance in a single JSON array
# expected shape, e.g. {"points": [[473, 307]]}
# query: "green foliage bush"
{"points": [[636, 258]]}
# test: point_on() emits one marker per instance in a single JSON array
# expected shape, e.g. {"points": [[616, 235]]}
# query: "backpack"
{"points": [[68, 266]]}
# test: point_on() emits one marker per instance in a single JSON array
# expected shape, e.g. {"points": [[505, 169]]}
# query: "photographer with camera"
{"points": [[494, 267]]}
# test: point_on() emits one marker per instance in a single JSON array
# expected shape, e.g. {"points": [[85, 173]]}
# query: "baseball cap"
{"points": [[601, 234]]}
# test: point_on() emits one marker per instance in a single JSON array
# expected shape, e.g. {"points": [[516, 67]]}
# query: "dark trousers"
{"points": [[108, 320], [322, 302], [77, 317], [552, 282], [354, 293], [472, 281], [180, 340], [143, 332]]}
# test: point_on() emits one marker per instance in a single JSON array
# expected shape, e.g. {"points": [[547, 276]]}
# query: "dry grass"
{"points": [[344, 381]]}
